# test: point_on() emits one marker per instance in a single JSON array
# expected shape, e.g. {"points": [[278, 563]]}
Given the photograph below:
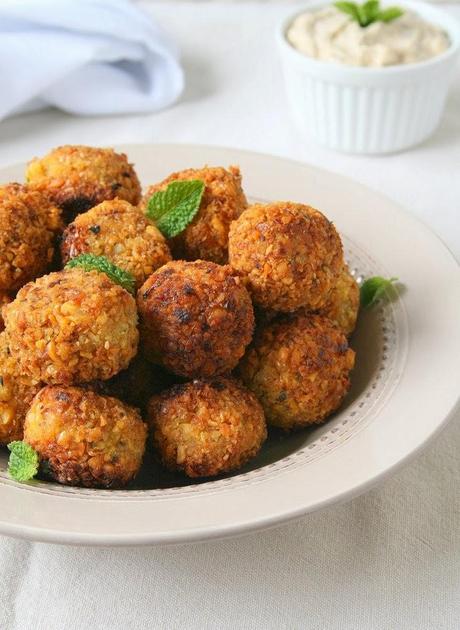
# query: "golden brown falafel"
{"points": [[205, 428], [37, 201], [197, 318], [298, 368], [72, 326], [290, 254], [84, 438], [120, 232], [77, 178], [223, 201], [26, 242], [5, 298], [16, 394], [343, 302]]}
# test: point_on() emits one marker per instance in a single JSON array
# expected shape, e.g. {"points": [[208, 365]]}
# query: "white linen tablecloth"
{"points": [[386, 560]]}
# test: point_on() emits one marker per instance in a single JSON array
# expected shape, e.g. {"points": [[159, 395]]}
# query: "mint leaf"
{"points": [[390, 14], [23, 461], [362, 16], [90, 262], [368, 12], [174, 208], [374, 288], [350, 8]]}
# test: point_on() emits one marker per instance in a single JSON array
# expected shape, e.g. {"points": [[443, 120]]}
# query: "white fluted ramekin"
{"points": [[370, 110]]}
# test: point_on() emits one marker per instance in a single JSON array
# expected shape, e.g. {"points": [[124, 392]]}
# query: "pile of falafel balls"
{"points": [[239, 322]]}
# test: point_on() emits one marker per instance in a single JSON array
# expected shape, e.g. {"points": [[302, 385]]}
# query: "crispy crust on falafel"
{"points": [[72, 326], [120, 232], [5, 298], [223, 201], [26, 242], [16, 395], [84, 438], [289, 253], [197, 318], [38, 201], [77, 177], [205, 428], [299, 368], [342, 305]]}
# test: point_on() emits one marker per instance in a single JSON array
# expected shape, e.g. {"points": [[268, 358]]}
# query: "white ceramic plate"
{"points": [[405, 386]]}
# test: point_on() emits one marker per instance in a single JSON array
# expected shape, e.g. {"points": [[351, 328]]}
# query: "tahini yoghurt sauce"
{"points": [[330, 35]]}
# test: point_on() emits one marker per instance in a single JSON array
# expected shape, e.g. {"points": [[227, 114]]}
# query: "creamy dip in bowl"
{"points": [[331, 35], [374, 89]]}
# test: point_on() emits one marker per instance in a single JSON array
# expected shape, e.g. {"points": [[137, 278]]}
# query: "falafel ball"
{"points": [[196, 318], [205, 428], [299, 370], [84, 438], [223, 201], [38, 201], [290, 254], [72, 326], [26, 242], [343, 302], [16, 395], [120, 232], [77, 177]]}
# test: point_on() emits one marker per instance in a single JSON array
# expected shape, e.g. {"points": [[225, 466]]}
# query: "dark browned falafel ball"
{"points": [[205, 428], [78, 177], [72, 326], [298, 368], [120, 232], [84, 438], [223, 201], [197, 318], [290, 253]]}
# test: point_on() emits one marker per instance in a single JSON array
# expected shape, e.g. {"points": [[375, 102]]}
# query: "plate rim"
{"points": [[274, 519]]}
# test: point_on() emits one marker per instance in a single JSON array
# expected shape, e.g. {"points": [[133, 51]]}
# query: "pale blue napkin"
{"points": [[85, 57]]}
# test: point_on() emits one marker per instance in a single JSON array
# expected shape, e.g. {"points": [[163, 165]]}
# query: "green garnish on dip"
{"points": [[369, 12], [23, 462], [90, 262], [375, 288], [174, 208]]}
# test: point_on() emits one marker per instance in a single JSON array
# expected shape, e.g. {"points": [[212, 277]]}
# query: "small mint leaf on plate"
{"points": [[90, 262], [374, 288], [23, 462], [175, 207]]}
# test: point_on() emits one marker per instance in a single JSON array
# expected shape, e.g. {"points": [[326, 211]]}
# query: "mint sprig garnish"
{"points": [[369, 12], [174, 208], [375, 288], [23, 462], [90, 262]]}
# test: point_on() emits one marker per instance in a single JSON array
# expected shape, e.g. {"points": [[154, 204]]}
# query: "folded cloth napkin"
{"points": [[85, 57]]}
